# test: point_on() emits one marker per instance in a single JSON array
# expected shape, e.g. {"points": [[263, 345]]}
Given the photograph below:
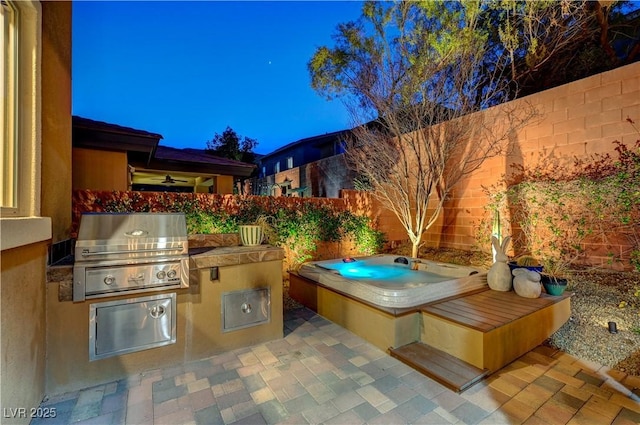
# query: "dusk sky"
{"points": [[187, 70]]}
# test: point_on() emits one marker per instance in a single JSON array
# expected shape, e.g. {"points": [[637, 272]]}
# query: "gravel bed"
{"points": [[596, 301]]}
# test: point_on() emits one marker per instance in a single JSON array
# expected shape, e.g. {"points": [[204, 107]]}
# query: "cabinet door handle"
{"points": [[156, 311]]}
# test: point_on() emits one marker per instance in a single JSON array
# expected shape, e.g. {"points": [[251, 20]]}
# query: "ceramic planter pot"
{"points": [[250, 235], [554, 286], [513, 265]]}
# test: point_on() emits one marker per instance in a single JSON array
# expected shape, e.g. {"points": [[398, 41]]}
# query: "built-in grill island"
{"points": [[132, 253], [144, 295]]}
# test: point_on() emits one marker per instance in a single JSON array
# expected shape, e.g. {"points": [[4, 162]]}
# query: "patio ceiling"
{"points": [[164, 178]]}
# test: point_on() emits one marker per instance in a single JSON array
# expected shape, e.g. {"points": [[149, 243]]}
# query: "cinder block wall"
{"points": [[575, 120]]}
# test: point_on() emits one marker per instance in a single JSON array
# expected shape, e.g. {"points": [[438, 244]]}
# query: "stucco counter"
{"points": [[216, 274]]}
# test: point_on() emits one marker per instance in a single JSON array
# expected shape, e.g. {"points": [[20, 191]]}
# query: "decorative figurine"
{"points": [[499, 276]]}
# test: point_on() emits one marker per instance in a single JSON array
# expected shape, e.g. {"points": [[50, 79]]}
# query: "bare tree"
{"points": [[413, 77]]}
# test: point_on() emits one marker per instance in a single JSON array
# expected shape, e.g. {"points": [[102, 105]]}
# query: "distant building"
{"points": [[310, 167], [112, 157]]}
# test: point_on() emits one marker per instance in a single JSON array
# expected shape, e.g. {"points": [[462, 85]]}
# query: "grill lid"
{"points": [[104, 236]]}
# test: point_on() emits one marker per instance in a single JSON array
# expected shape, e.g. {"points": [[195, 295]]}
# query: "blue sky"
{"points": [[187, 70]]}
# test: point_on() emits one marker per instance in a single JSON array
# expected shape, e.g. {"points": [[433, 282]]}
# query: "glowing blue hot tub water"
{"points": [[362, 269], [380, 281], [384, 275]]}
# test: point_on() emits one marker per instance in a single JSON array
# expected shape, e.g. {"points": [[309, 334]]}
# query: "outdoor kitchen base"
{"points": [[200, 329]]}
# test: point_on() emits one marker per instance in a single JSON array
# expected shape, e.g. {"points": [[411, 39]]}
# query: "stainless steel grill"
{"points": [[119, 253]]}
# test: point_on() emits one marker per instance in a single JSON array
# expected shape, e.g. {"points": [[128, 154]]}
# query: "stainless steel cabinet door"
{"points": [[134, 324], [242, 309]]}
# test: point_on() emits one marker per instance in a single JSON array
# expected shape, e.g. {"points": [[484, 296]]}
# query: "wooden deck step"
{"points": [[450, 371]]}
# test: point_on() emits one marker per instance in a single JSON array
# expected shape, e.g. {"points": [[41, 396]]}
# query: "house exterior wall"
{"points": [[326, 177], [323, 178], [100, 170], [23, 327], [302, 153], [56, 122], [23, 268], [224, 185]]}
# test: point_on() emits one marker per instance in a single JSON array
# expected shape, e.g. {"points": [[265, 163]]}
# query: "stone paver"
{"points": [[322, 373]]}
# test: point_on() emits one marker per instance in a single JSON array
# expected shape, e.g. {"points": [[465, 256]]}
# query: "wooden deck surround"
{"points": [[456, 341], [382, 327], [490, 329]]}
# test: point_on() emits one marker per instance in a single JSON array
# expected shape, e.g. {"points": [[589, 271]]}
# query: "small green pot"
{"points": [[554, 286]]}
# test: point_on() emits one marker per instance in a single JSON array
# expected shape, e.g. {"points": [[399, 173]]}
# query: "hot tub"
{"points": [[391, 281]]}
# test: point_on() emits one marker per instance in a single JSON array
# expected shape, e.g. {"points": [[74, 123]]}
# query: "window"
{"points": [[264, 171], [20, 125], [289, 163], [276, 168], [8, 73]]}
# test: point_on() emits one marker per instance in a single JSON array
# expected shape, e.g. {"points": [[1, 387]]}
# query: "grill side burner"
{"points": [[130, 253]]}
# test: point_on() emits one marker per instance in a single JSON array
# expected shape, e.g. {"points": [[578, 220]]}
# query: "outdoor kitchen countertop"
{"points": [[234, 255], [199, 258]]}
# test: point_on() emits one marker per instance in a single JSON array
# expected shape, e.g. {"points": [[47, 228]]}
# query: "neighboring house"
{"points": [[111, 157], [313, 166]]}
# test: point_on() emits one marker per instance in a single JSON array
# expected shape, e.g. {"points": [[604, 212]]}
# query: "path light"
{"points": [[613, 328]]}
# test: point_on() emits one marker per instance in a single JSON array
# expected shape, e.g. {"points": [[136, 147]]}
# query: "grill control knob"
{"points": [[161, 274], [171, 274], [109, 280]]}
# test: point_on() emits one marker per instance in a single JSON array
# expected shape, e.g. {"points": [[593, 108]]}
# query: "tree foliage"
{"points": [[553, 42], [232, 146]]}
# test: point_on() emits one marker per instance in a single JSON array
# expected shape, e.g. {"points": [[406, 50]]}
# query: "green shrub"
{"points": [[298, 225], [205, 222], [367, 240], [553, 212]]}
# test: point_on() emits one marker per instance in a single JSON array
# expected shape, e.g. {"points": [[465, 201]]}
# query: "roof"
{"points": [[317, 140], [86, 123], [199, 161], [196, 155], [93, 134]]}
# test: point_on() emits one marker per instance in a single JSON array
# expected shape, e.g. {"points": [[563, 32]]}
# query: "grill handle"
{"points": [[87, 253]]}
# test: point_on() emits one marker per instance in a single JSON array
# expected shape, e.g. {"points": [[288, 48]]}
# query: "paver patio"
{"points": [[322, 373]]}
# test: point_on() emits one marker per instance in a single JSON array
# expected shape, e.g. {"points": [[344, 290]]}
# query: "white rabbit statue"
{"points": [[499, 276], [526, 283]]}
